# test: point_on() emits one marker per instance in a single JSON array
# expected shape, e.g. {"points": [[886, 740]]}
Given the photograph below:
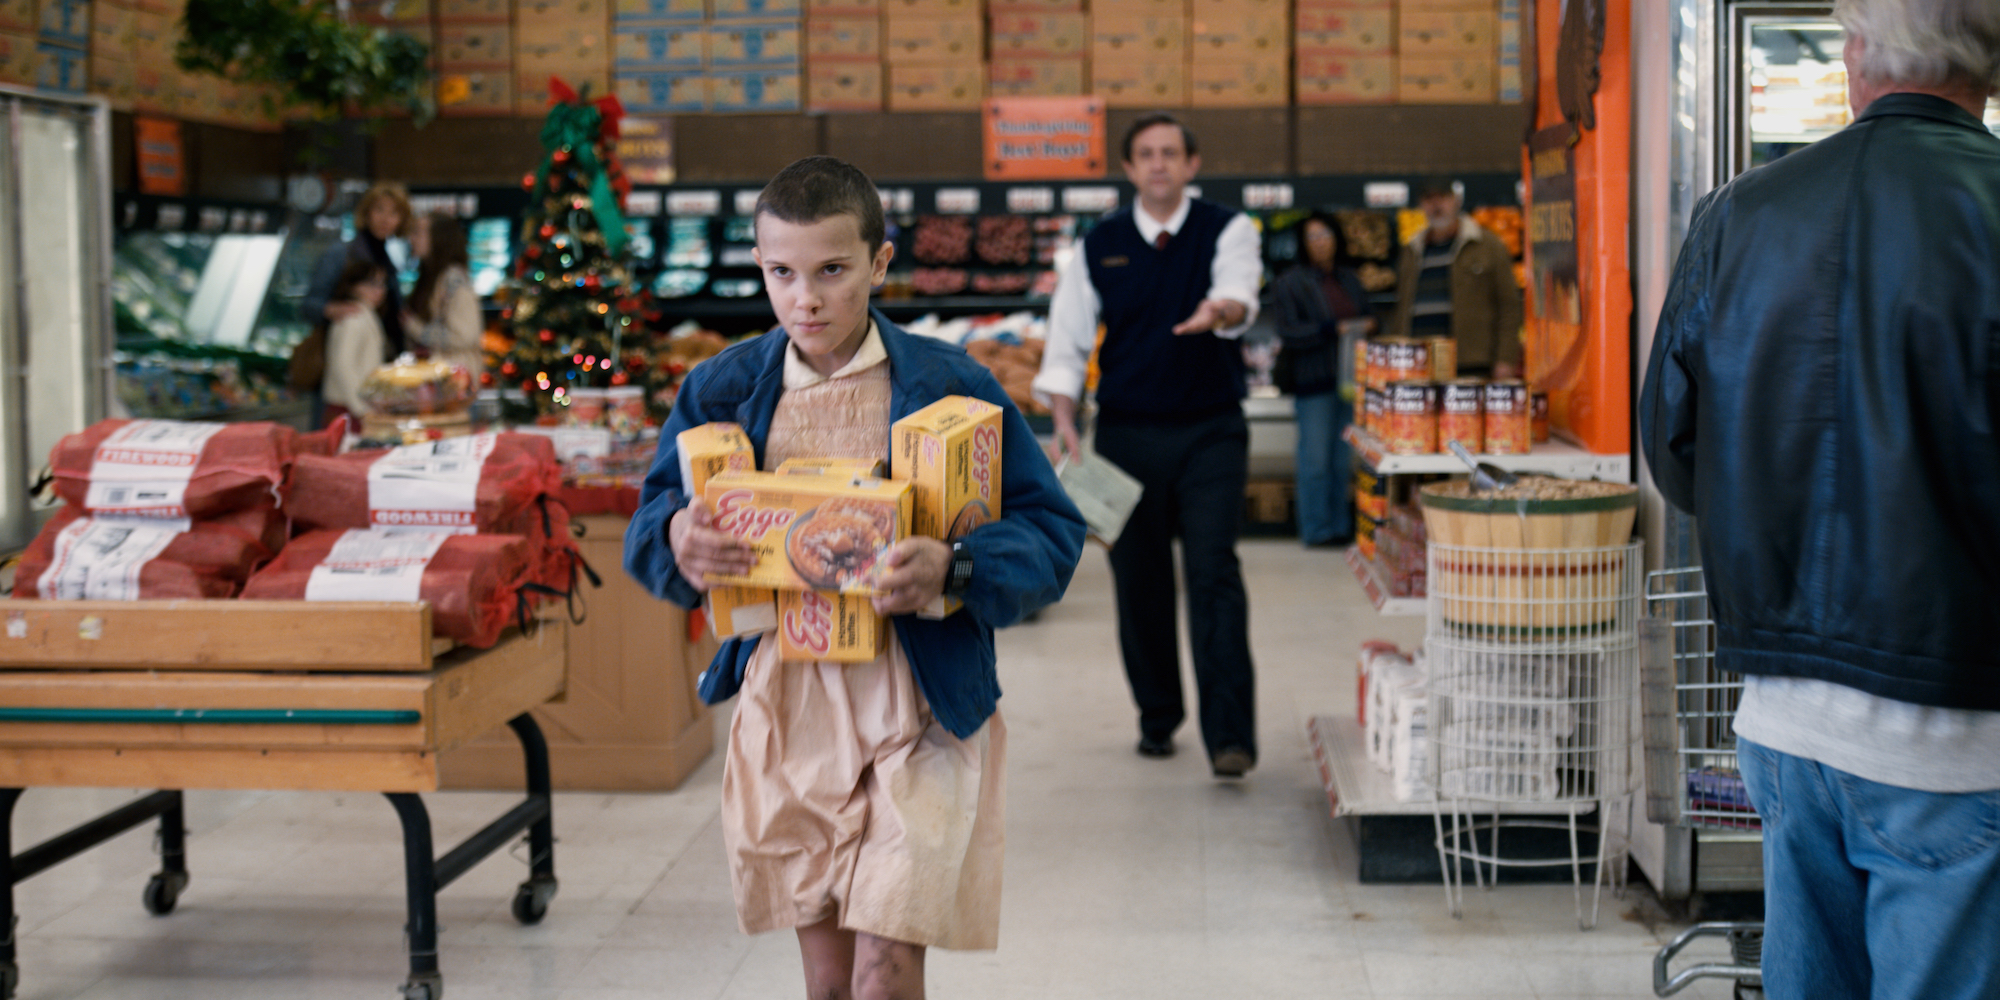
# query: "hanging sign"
{"points": [[162, 158], [646, 149], [1044, 138]]}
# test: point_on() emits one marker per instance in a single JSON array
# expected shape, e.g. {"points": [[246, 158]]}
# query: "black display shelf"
{"points": [[953, 305]]}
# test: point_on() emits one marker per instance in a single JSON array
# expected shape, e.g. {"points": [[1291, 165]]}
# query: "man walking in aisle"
{"points": [[1455, 279], [1175, 281], [1824, 395]]}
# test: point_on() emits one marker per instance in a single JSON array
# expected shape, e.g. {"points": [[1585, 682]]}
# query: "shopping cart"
{"points": [[1691, 774]]}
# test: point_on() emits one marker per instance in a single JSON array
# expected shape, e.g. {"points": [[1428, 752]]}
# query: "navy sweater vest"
{"points": [[1144, 369]]}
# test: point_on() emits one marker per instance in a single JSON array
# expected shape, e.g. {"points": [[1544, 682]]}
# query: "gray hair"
{"points": [[1926, 42]]}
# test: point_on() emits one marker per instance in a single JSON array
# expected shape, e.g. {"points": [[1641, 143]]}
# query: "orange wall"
{"points": [[1592, 399]]}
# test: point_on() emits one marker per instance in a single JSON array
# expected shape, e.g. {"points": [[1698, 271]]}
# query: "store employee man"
{"points": [[1174, 280]]}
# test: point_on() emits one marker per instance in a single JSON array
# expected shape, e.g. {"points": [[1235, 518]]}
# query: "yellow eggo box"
{"points": [[704, 452], [830, 626], [872, 467], [811, 532], [950, 453]]}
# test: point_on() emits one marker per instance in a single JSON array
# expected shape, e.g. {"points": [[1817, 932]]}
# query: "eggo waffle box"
{"points": [[706, 451], [811, 532], [872, 467], [830, 626], [950, 453]]}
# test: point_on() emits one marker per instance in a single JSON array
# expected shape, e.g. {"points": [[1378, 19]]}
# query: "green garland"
{"points": [[314, 59], [576, 126]]}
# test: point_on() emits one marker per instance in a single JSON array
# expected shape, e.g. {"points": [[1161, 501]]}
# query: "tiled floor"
{"points": [[1126, 878]]}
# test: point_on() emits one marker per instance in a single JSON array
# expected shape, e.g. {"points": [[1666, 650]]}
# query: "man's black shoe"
{"points": [[1150, 747], [1232, 762]]}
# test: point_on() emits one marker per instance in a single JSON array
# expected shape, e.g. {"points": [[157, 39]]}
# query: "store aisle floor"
{"points": [[1127, 879]]}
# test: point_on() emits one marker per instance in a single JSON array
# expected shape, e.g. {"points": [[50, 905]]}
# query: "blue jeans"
{"points": [[1325, 502], [1871, 891]]}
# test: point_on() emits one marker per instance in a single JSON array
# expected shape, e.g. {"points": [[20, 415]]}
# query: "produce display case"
{"points": [[277, 695]]}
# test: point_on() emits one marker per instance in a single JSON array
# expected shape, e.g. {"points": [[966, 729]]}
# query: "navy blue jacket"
{"points": [[1824, 395], [1021, 562]]}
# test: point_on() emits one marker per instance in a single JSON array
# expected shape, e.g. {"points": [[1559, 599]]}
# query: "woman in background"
{"points": [[355, 343], [1315, 299], [444, 309]]}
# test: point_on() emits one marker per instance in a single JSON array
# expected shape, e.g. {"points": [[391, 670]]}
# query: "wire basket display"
{"points": [[1533, 699]]}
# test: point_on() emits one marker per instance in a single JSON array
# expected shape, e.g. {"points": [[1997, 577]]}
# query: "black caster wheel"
{"points": [[531, 900], [429, 986], [163, 890]]}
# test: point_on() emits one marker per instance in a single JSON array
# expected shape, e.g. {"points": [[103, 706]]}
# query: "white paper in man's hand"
{"points": [[1103, 492]]}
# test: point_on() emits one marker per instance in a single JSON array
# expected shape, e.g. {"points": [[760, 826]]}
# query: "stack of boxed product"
{"points": [[844, 55], [935, 53], [1240, 53], [1039, 48], [733, 55], [559, 39], [821, 528], [129, 45], [475, 53], [1408, 51], [1138, 52], [1395, 718]]}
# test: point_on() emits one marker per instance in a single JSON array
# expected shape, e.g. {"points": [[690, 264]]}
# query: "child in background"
{"points": [[355, 343], [861, 802]]}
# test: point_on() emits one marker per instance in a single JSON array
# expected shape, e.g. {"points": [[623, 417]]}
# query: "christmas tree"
{"points": [[573, 316]]}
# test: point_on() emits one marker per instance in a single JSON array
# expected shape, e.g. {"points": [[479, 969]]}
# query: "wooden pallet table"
{"points": [[279, 695]]}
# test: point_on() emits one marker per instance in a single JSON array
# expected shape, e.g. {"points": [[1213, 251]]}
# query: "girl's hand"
{"points": [[916, 576], [701, 551]]}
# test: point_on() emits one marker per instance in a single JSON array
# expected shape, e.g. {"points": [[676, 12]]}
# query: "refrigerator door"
{"points": [[1786, 87]]}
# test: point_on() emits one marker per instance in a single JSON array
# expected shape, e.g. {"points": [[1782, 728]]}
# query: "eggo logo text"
{"points": [[735, 514], [810, 626], [985, 448]]}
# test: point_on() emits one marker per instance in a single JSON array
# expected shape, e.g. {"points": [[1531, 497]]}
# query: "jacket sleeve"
{"points": [[1406, 292], [1508, 311], [1297, 322], [648, 557], [1668, 399], [1022, 561]]}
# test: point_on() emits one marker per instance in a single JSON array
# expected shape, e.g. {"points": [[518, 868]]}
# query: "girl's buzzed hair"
{"points": [[820, 187]]}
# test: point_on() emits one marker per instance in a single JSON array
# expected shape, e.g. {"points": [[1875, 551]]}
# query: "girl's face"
{"points": [[1319, 245], [371, 292], [818, 276]]}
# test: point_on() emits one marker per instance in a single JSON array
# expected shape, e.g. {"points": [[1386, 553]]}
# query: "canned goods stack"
{"points": [[1411, 398]]}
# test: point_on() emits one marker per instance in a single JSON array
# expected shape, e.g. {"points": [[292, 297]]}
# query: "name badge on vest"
{"points": [[1114, 261]]}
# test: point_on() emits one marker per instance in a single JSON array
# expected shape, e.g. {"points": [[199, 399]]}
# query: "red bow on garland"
{"points": [[608, 106]]}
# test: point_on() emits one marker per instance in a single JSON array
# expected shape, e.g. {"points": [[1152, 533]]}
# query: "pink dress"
{"points": [[841, 796]]}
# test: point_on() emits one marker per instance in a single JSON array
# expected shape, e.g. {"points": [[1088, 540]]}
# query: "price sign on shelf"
{"points": [[1385, 194], [958, 201], [1090, 199], [694, 203], [1031, 200]]}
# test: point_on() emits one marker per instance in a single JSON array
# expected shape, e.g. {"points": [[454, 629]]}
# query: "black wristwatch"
{"points": [[958, 575]]}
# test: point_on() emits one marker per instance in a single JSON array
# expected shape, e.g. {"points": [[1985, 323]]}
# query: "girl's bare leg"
{"points": [[887, 970], [829, 956]]}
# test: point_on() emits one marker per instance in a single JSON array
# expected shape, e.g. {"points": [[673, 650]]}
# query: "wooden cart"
{"points": [[278, 695]]}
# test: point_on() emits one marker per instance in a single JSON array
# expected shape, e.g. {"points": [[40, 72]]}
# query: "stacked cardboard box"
{"points": [[567, 40], [737, 55], [1445, 51], [62, 42], [753, 55], [1507, 52], [475, 57], [1040, 48], [844, 55], [1139, 53], [935, 54], [1240, 53], [659, 55], [1346, 52]]}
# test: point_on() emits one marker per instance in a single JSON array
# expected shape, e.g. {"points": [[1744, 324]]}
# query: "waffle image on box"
{"points": [[829, 626], [950, 453], [704, 452], [811, 532]]}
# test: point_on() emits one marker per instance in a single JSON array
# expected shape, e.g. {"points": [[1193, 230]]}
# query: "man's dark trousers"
{"points": [[1193, 471]]}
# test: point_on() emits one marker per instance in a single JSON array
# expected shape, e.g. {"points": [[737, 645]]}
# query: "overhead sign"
{"points": [[162, 160], [646, 149], [1044, 138]]}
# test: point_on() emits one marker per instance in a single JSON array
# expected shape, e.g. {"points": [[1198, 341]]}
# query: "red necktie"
{"points": [[1160, 241]]}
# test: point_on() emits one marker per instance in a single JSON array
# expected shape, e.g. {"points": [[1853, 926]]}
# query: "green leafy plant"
{"points": [[317, 62]]}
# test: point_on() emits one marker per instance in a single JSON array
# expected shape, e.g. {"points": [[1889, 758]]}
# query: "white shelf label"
{"points": [[1090, 199], [1385, 194], [738, 257], [898, 200], [746, 202], [958, 201], [1025, 200], [1267, 196], [694, 203], [213, 220], [642, 204], [172, 216]]}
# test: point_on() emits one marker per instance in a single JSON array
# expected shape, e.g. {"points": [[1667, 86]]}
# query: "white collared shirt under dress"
{"points": [[841, 796], [1237, 273]]}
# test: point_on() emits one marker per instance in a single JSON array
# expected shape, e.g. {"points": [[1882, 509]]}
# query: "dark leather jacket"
{"points": [[1824, 395]]}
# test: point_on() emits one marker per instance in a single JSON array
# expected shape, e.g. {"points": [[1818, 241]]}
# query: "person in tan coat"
{"points": [[1456, 279]]}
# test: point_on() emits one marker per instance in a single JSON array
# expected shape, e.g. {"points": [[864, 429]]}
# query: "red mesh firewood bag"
{"points": [[556, 562], [80, 557], [471, 581], [479, 483], [173, 469]]}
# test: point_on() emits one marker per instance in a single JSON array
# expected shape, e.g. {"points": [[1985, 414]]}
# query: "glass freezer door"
{"points": [[1787, 84]]}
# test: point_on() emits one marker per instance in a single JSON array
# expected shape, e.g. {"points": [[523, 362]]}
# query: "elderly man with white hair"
{"points": [[1824, 395]]}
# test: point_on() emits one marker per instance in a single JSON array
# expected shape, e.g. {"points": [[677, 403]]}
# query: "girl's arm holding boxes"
{"points": [[649, 553]]}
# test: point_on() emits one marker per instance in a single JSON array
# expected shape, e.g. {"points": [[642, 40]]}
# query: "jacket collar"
{"points": [[1921, 106], [1468, 230], [905, 379]]}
